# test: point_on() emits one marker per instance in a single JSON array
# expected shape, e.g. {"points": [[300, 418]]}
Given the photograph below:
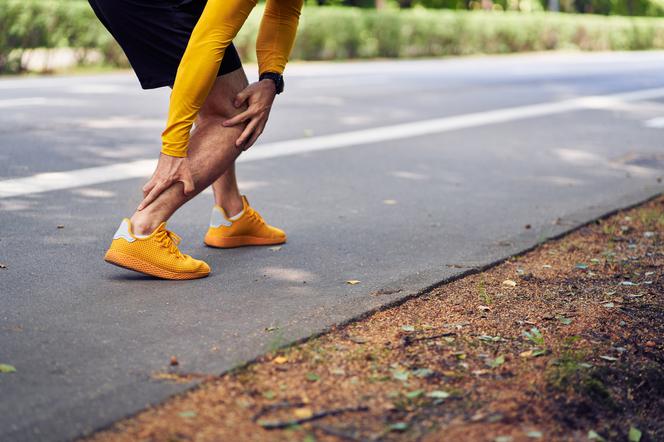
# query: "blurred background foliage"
{"points": [[342, 29]]}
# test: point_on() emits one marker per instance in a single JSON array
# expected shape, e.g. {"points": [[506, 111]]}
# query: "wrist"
{"points": [[269, 83], [276, 78]]}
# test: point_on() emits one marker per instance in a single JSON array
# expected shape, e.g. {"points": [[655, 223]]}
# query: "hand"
{"points": [[170, 170], [259, 96]]}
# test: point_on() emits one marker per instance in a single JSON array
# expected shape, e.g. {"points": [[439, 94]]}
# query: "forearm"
{"points": [[218, 25], [276, 35]]}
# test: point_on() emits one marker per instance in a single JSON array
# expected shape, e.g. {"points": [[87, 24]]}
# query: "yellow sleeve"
{"points": [[219, 23], [277, 34]]}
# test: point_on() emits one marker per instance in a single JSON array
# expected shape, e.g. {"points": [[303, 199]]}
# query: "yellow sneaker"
{"points": [[156, 255], [247, 229]]}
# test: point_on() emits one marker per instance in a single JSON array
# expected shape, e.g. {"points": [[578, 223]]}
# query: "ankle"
{"points": [[232, 205], [143, 225]]}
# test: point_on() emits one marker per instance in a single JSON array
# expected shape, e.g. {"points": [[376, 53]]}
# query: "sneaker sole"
{"points": [[140, 266], [240, 241]]}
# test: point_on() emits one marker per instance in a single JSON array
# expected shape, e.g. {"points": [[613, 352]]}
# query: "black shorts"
{"points": [[154, 35]]}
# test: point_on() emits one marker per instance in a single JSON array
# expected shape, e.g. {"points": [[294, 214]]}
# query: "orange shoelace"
{"points": [[255, 217], [170, 241]]}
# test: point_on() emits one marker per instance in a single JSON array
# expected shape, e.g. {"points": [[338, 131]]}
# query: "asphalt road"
{"points": [[397, 174]]}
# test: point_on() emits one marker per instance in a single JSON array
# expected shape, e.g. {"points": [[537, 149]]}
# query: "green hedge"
{"points": [[332, 33], [340, 33]]}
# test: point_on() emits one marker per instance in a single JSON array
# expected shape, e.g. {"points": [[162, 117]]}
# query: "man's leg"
{"points": [[211, 153], [226, 192]]}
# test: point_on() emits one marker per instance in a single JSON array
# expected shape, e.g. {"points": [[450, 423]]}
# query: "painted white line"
{"points": [[655, 123], [45, 182], [39, 101]]}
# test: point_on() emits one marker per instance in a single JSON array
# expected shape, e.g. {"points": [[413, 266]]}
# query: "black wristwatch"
{"points": [[277, 78]]}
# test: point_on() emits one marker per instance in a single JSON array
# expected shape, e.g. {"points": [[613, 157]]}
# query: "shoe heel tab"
{"points": [[124, 231], [218, 218]]}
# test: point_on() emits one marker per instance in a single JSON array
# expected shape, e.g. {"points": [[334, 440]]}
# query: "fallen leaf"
{"points": [[280, 360], [399, 426], [500, 360], [414, 394], [488, 338], [650, 344], [546, 266], [275, 249], [438, 394], [509, 283], [269, 395], [533, 353], [408, 328], [400, 375], [312, 377], [303, 413], [628, 283], [608, 305], [581, 266], [338, 372], [608, 358], [593, 435], [6, 368], [422, 372], [564, 320], [357, 339], [352, 281], [634, 434], [503, 439], [526, 354], [187, 414], [534, 434]]}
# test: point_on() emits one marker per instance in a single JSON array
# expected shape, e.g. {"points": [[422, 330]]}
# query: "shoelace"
{"points": [[169, 240], [256, 217]]}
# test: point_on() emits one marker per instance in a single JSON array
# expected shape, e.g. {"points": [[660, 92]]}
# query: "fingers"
{"points": [[154, 193], [148, 187], [246, 133], [257, 133], [188, 185], [240, 118], [241, 97]]}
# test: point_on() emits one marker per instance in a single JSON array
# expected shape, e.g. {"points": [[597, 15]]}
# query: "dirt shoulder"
{"points": [[565, 342]]}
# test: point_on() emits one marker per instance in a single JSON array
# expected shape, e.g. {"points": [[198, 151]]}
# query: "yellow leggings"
{"points": [[219, 24]]}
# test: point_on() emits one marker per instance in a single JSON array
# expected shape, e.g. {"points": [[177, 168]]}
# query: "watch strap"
{"points": [[277, 78]]}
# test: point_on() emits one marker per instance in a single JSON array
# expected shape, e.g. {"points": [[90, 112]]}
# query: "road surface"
{"points": [[398, 174]]}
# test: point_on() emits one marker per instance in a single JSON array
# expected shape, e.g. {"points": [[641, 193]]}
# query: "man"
{"points": [[187, 44]]}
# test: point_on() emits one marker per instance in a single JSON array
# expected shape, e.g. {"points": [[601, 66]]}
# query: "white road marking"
{"points": [[39, 101], [131, 122], [655, 123], [45, 182]]}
